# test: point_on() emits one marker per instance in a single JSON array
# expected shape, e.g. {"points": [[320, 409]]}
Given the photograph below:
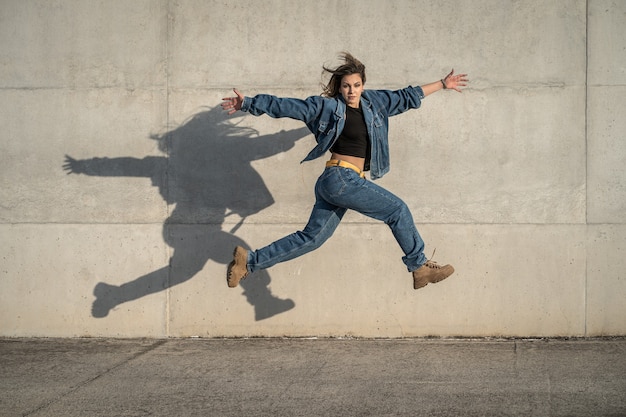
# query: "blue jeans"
{"points": [[337, 190]]}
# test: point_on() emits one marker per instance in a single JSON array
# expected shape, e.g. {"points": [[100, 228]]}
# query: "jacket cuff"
{"points": [[245, 105], [420, 92]]}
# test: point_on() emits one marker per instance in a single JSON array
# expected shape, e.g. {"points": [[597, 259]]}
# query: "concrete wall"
{"points": [[124, 188]]}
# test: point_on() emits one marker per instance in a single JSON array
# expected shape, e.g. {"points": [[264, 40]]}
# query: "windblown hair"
{"points": [[350, 66]]}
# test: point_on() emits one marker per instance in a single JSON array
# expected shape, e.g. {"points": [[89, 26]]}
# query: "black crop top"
{"points": [[354, 140]]}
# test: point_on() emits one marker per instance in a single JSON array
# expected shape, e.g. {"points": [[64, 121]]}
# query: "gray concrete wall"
{"points": [[124, 188]]}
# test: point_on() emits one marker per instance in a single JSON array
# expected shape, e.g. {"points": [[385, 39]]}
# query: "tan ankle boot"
{"points": [[237, 269], [430, 273]]}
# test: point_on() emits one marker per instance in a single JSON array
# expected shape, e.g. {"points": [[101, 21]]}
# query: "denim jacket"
{"points": [[325, 117]]}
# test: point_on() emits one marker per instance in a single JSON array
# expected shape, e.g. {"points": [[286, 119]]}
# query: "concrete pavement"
{"points": [[312, 377]]}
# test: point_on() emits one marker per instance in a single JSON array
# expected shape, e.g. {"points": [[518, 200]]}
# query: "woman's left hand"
{"points": [[455, 82]]}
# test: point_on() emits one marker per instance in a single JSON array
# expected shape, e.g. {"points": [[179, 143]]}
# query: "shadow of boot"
{"points": [[258, 293], [107, 298]]}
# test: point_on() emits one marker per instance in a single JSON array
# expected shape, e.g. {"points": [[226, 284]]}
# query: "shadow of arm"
{"points": [[116, 167], [269, 145]]}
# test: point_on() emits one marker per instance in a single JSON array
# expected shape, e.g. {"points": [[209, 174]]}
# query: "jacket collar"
{"points": [[340, 110], [341, 105]]}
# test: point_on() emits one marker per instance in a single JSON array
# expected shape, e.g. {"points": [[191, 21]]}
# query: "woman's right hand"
{"points": [[232, 104]]}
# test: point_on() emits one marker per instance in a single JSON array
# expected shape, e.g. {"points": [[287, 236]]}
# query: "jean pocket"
{"points": [[331, 184]]}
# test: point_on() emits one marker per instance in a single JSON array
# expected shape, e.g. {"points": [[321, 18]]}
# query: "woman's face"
{"points": [[351, 89]]}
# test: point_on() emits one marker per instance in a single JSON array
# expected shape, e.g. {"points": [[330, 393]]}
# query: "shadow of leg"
{"points": [[194, 246], [199, 242], [110, 296]]}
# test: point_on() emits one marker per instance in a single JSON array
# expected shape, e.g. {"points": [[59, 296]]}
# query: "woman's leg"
{"points": [[345, 188], [324, 219]]}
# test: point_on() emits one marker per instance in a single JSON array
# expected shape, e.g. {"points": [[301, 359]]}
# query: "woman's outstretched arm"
{"points": [[450, 81]]}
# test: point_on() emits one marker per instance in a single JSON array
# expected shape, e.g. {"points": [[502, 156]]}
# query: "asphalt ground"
{"points": [[313, 377]]}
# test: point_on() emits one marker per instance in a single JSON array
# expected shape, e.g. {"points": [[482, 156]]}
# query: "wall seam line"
{"points": [[168, 20], [586, 317]]}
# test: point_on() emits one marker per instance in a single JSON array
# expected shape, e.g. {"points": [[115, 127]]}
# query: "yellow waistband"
{"points": [[344, 164]]}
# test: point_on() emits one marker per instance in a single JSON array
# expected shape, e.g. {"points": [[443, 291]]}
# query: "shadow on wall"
{"points": [[208, 175]]}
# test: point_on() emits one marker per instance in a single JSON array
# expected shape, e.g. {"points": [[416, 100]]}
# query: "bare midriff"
{"points": [[354, 160]]}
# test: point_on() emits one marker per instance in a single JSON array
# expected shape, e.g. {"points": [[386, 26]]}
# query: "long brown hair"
{"points": [[350, 66]]}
